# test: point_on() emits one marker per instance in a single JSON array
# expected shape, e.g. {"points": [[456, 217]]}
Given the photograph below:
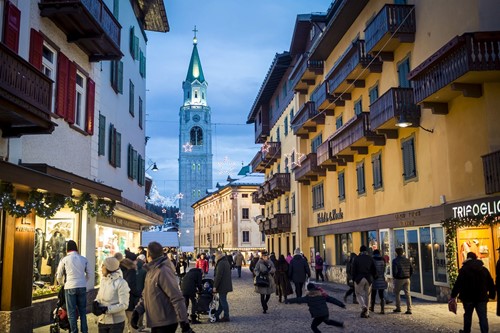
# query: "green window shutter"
{"points": [[129, 161], [112, 145], [141, 63], [377, 171], [403, 71], [136, 48], [338, 122], [102, 135], [141, 113], [120, 77], [341, 179], [135, 163], [141, 166], [409, 165], [358, 106], [131, 98], [360, 170], [113, 77], [286, 126], [116, 8], [132, 42], [373, 94], [118, 150]]}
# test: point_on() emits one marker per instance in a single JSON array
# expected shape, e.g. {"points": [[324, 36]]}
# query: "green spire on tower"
{"points": [[195, 72]]}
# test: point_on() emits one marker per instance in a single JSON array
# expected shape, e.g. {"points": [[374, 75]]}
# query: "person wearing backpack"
{"points": [[402, 271], [319, 267]]}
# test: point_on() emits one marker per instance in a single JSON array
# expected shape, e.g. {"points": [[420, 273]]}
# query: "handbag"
{"points": [[262, 280], [452, 305]]}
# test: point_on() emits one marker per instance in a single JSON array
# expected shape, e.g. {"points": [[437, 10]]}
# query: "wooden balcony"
{"points": [[25, 97], [388, 108], [324, 157], [354, 137], [491, 168], [393, 25], [323, 101], [271, 152], [350, 71], [279, 184], [262, 129], [281, 223], [88, 23], [458, 68], [305, 73], [308, 170], [267, 226], [257, 165], [306, 120]]}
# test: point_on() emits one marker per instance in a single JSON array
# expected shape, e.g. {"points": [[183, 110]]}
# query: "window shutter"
{"points": [[62, 84], [102, 135], [12, 26], [116, 8], [131, 98], [141, 112], [362, 178], [114, 75], [120, 77], [36, 49], [403, 70], [132, 41], [89, 121], [135, 164], [411, 158], [71, 93], [129, 161], [118, 150], [136, 48], [341, 186], [112, 145]]}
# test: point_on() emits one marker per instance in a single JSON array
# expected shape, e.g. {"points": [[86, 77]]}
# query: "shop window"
{"points": [[409, 164], [318, 197], [245, 213], [246, 236], [343, 248], [51, 236], [439, 254], [369, 239]]}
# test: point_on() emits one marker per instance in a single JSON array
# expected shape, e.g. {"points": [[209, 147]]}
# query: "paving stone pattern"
{"points": [[247, 317]]}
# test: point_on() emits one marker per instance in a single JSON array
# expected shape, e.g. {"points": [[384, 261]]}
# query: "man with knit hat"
{"points": [[73, 273]]}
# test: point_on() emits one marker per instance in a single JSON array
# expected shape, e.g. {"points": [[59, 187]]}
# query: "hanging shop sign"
{"points": [[330, 216], [480, 207]]}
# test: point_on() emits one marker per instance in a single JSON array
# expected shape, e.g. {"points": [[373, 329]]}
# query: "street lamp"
{"points": [[153, 167]]}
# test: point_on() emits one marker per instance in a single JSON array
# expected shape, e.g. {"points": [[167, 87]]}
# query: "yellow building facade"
{"points": [[399, 136]]}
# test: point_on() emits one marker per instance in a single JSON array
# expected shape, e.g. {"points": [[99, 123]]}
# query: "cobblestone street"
{"points": [[246, 315]]}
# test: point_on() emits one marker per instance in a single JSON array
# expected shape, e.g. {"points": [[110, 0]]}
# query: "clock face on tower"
{"points": [[196, 118]]}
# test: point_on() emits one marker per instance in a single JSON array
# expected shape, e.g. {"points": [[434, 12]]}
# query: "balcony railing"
{"points": [[458, 59], [25, 97], [321, 98], [88, 23], [394, 24], [386, 110], [305, 72], [355, 136], [281, 223], [349, 71], [324, 157], [308, 169], [271, 151], [279, 184], [257, 165], [491, 167], [306, 119]]}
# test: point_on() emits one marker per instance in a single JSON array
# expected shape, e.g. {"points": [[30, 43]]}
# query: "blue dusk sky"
{"points": [[237, 42]]}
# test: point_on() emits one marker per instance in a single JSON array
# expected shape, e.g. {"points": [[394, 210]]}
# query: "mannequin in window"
{"points": [[39, 253], [57, 250]]}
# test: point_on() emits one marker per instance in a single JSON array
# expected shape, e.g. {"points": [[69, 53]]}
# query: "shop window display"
{"points": [[51, 236], [438, 254], [479, 241]]}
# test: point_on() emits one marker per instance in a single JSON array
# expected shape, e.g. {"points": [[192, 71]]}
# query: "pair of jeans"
{"points": [[165, 329], [298, 288], [223, 306], [239, 271], [324, 319], [111, 328], [402, 284], [481, 310], [76, 299]]}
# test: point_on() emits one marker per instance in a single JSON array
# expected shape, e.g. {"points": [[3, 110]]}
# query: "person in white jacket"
{"points": [[112, 298]]}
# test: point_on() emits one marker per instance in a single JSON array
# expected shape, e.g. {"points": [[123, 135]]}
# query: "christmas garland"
{"points": [[451, 225], [47, 205]]}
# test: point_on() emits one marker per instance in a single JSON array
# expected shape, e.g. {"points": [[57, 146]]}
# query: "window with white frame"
{"points": [[49, 61], [80, 99]]}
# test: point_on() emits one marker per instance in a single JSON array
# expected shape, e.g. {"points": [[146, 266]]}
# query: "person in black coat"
{"points": [[299, 271], [129, 270], [363, 272], [350, 280], [316, 299], [474, 286], [190, 284]]}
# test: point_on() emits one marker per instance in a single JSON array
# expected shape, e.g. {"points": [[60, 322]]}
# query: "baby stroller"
{"points": [[206, 301], [59, 317]]}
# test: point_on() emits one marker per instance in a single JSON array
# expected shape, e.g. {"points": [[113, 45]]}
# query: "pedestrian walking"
{"points": [[363, 273], [129, 270], [265, 268], [298, 271], [289, 257], [230, 260], [350, 280], [272, 257], [283, 285], [112, 298], [181, 268], [379, 284], [474, 285], [254, 261], [162, 301], [318, 266], [72, 272], [212, 258], [238, 261], [402, 271], [202, 263], [190, 284], [316, 301], [223, 284], [141, 277]]}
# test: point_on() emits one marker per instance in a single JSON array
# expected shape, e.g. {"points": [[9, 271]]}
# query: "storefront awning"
{"points": [[32, 179], [129, 210]]}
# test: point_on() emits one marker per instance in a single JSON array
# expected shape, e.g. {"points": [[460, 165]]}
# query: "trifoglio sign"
{"points": [[487, 206]]}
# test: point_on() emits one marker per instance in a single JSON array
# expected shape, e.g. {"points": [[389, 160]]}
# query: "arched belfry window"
{"points": [[196, 136]]}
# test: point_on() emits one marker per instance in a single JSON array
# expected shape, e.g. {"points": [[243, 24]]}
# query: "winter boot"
{"points": [[372, 305], [354, 300], [194, 319], [382, 305]]}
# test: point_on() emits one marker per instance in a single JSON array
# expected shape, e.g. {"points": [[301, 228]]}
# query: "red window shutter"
{"points": [[36, 48], [62, 84], [70, 107], [89, 119], [12, 24]]}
